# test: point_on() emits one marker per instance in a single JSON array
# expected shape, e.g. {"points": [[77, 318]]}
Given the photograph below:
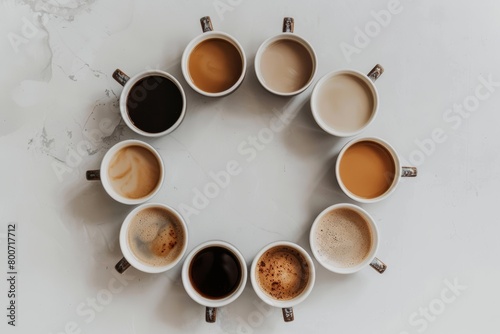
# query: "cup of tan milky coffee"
{"points": [[283, 275], [153, 239], [345, 102], [368, 169], [131, 172], [213, 63], [344, 239], [285, 64]]}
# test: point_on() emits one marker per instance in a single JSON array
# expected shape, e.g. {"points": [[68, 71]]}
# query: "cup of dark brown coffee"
{"points": [[283, 275], [344, 239], [368, 169], [214, 274], [285, 64], [345, 102], [153, 239], [152, 103], [131, 172], [213, 63]]}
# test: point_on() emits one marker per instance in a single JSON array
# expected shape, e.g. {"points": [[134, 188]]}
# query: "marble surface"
{"points": [[439, 108]]}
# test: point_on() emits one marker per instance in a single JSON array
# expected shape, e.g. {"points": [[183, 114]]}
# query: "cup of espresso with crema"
{"points": [[285, 64], [368, 169], [152, 103], [282, 275], [214, 274], [131, 172], [345, 102], [213, 63], [153, 239], [344, 239]]}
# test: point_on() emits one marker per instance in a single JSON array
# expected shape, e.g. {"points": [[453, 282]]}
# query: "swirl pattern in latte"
{"points": [[134, 172]]}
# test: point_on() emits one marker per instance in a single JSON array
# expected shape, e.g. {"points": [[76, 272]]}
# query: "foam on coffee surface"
{"points": [[156, 237], [343, 238], [134, 172], [282, 273]]}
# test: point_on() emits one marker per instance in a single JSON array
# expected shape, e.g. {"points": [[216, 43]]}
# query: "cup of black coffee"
{"points": [[214, 274], [152, 103], [283, 275]]}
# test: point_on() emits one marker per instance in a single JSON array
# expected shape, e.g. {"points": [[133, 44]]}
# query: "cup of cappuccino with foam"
{"points": [[131, 172], [283, 275], [153, 238], [344, 239]]}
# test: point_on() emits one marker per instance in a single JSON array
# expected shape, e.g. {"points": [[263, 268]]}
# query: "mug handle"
{"points": [[288, 24], [287, 314], [122, 265], [376, 72], [93, 175], [408, 171], [378, 265], [210, 314], [121, 77], [206, 24]]}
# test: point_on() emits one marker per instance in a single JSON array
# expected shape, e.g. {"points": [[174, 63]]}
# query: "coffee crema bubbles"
{"points": [[343, 238], [156, 237], [282, 273]]}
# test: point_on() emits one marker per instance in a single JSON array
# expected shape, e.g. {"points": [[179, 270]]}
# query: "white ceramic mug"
{"points": [[210, 35], [286, 64], [141, 87], [130, 258], [134, 173], [365, 172], [307, 268], [212, 303], [324, 240], [345, 102]]}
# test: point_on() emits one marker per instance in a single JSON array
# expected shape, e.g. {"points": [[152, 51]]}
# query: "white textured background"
{"points": [[59, 115]]}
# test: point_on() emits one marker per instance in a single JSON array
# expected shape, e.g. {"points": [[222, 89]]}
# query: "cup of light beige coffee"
{"points": [[285, 64], [345, 102], [213, 63], [131, 172], [368, 169], [214, 275], [344, 239], [283, 275], [153, 238]]}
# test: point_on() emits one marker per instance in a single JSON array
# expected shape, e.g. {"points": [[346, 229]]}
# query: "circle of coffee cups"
{"points": [[152, 103], [307, 267], [213, 302], [138, 184], [285, 64], [171, 237], [344, 239], [345, 102], [217, 57], [368, 169]]}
